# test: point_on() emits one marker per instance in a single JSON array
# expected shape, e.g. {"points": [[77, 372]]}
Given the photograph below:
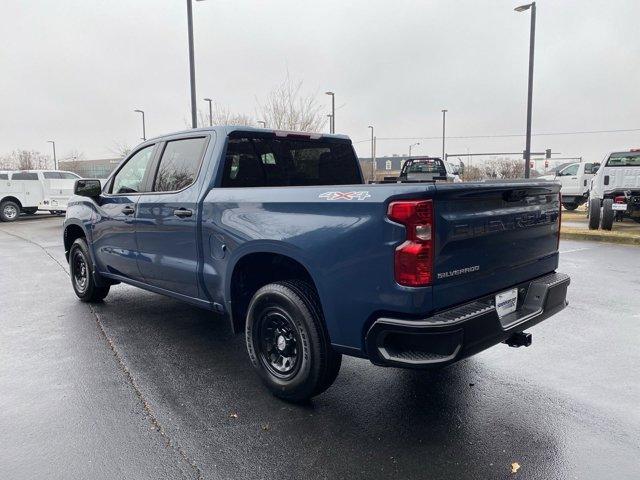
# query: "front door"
{"points": [[167, 218], [569, 179], [114, 236]]}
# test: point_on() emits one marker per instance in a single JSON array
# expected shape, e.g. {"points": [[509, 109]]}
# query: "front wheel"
{"points": [[9, 211], [287, 342], [594, 213], [81, 272]]}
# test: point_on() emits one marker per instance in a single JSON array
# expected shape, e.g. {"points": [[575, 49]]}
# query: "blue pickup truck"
{"points": [[278, 233]]}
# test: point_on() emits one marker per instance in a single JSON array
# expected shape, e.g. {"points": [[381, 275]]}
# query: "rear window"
{"points": [[4, 176], [24, 176], [50, 175], [623, 159], [270, 162], [431, 165]]}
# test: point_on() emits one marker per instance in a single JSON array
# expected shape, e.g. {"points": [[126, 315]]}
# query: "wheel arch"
{"points": [[11, 198], [254, 269], [72, 231]]}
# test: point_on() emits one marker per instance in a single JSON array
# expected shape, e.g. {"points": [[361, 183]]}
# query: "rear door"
{"points": [[114, 238], [492, 235], [167, 218]]}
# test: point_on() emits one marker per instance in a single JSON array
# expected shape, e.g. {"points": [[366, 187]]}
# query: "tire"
{"points": [[30, 211], [9, 211], [287, 342], [570, 206], [80, 271], [608, 215], [594, 213]]}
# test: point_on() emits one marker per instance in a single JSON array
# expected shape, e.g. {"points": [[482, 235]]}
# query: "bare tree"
{"points": [[223, 116], [120, 149], [288, 108], [24, 160]]}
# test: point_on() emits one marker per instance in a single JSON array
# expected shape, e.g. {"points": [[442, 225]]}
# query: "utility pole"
{"points": [[444, 122], [373, 154], [532, 42], [55, 160]]}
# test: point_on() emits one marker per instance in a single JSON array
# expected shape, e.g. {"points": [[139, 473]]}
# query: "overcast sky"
{"points": [[73, 71]]}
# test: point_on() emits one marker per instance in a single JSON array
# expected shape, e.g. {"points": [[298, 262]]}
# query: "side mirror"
{"points": [[87, 187]]}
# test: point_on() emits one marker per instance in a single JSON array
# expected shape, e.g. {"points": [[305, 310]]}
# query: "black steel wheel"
{"points": [[280, 343], [288, 343], [82, 275]]}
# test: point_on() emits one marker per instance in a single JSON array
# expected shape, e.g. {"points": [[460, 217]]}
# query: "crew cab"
{"points": [[27, 191], [615, 190], [278, 233], [575, 179]]}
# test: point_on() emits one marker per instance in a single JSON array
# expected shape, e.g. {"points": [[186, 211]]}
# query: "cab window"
{"points": [[179, 164], [570, 170], [130, 177]]}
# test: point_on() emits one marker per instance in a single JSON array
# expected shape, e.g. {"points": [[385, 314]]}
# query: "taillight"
{"points": [[620, 199], [414, 258], [559, 219]]}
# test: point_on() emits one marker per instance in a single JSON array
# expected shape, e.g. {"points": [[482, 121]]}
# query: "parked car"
{"points": [[278, 233], [615, 190], [27, 191], [424, 169], [575, 179]]}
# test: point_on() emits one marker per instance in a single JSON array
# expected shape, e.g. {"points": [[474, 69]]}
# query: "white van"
{"points": [[27, 191], [575, 179]]}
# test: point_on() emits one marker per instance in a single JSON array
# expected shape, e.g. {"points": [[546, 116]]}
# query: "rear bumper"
{"points": [[465, 330]]}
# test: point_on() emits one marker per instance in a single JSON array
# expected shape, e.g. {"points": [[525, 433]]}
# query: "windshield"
{"points": [[624, 159]]}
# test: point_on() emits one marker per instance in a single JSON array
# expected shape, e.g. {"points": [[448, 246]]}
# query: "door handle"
{"points": [[182, 212], [128, 210]]}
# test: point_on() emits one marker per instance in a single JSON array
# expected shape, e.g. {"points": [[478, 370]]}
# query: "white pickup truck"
{"points": [[575, 179], [27, 191], [615, 190]]}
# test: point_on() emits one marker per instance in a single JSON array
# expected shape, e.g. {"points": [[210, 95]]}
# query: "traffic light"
{"points": [[547, 153]]}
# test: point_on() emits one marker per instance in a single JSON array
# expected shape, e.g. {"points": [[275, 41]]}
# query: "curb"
{"points": [[598, 236]]}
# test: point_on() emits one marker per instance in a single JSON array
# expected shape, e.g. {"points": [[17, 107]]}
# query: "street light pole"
{"points": [[373, 155], [333, 111], [330, 117], [192, 66], [144, 128], [55, 161], [210, 111], [444, 122], [532, 42]]}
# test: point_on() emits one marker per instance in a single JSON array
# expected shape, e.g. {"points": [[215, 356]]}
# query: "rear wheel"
{"points": [[570, 206], [594, 213], [608, 214], [287, 342], [81, 272], [9, 211]]}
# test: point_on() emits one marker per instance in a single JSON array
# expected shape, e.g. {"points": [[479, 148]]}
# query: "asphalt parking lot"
{"points": [[143, 386]]}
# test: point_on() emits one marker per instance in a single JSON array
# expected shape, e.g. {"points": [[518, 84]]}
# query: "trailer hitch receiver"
{"points": [[519, 339]]}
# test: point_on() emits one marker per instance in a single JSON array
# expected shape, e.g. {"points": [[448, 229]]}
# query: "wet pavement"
{"points": [[142, 386]]}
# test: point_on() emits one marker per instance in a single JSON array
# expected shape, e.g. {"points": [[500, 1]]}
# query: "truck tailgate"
{"points": [[492, 235]]}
